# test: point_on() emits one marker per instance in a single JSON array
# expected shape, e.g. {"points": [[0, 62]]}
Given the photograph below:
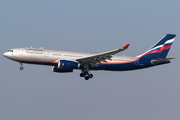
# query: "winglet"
{"points": [[126, 46]]}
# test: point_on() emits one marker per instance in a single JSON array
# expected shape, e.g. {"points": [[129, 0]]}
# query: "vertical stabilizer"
{"points": [[161, 48]]}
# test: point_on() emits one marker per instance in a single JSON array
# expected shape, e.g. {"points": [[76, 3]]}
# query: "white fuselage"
{"points": [[39, 55], [65, 61]]}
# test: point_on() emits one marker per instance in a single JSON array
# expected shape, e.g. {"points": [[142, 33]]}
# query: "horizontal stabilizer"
{"points": [[155, 62]]}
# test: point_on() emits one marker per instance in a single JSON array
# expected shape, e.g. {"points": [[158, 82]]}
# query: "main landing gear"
{"points": [[21, 68], [86, 75], [85, 72]]}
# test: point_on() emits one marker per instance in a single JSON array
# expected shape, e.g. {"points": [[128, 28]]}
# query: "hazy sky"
{"points": [[95, 26]]}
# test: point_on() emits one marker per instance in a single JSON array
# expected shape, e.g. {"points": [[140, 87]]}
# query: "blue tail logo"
{"points": [[160, 49]]}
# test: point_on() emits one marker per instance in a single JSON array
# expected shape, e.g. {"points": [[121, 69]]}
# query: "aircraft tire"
{"points": [[91, 76], [82, 75], [86, 77], [21, 68]]}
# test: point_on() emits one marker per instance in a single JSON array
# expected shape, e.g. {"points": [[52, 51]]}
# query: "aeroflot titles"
{"points": [[33, 49]]}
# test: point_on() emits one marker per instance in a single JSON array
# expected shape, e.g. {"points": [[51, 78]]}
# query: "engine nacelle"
{"points": [[66, 64], [56, 69]]}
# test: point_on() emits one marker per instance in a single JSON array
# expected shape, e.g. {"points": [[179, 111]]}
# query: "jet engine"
{"points": [[66, 64]]}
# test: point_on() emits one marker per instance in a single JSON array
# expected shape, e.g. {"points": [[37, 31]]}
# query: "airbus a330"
{"points": [[65, 61]]}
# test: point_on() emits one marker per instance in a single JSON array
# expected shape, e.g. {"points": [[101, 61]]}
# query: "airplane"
{"points": [[66, 61]]}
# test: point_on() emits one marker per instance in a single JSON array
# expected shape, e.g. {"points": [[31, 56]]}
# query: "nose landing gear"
{"points": [[21, 68]]}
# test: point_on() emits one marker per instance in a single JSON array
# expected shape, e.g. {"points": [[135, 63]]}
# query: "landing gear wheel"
{"points": [[86, 77], [86, 74], [82, 75], [21, 68], [91, 76]]}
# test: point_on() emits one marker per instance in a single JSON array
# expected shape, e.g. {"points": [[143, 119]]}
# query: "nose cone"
{"points": [[6, 54]]}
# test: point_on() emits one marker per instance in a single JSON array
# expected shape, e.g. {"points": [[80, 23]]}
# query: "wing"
{"points": [[102, 57]]}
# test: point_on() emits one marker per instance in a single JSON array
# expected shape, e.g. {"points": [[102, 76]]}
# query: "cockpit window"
{"points": [[10, 50]]}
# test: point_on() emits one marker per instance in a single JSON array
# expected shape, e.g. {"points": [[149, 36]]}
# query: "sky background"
{"points": [[95, 26]]}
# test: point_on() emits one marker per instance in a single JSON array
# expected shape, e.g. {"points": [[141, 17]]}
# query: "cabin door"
{"points": [[46, 53]]}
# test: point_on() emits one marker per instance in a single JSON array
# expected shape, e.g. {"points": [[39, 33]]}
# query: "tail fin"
{"points": [[161, 48]]}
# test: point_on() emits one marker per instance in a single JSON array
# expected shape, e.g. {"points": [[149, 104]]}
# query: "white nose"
{"points": [[6, 54]]}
